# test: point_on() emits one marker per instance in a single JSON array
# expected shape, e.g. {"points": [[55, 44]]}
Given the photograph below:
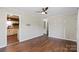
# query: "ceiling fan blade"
{"points": [[46, 8], [45, 12], [43, 9]]}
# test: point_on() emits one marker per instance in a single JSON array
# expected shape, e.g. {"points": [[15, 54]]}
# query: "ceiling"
{"points": [[51, 11]]}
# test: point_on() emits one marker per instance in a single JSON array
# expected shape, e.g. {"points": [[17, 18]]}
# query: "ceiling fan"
{"points": [[43, 11]]}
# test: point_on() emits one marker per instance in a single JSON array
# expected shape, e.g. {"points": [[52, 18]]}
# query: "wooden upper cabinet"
{"points": [[13, 18], [15, 21]]}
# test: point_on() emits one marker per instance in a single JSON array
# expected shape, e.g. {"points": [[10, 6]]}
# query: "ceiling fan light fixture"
{"points": [[43, 13]]}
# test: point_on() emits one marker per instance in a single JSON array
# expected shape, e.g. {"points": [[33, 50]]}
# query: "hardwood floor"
{"points": [[42, 44], [12, 39]]}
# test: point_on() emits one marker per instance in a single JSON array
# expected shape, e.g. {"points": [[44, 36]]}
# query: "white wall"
{"points": [[63, 26], [3, 38], [25, 32], [35, 29], [71, 27], [78, 32], [56, 26]]}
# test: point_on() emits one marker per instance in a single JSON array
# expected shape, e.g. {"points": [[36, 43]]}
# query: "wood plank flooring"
{"points": [[42, 44], [12, 39]]}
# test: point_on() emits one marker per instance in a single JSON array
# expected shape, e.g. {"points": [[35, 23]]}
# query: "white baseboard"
{"points": [[30, 38], [3, 46], [64, 39]]}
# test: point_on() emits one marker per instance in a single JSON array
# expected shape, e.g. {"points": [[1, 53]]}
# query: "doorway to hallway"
{"points": [[46, 27]]}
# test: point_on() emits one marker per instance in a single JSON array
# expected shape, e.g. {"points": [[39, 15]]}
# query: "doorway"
{"points": [[46, 31], [12, 29]]}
